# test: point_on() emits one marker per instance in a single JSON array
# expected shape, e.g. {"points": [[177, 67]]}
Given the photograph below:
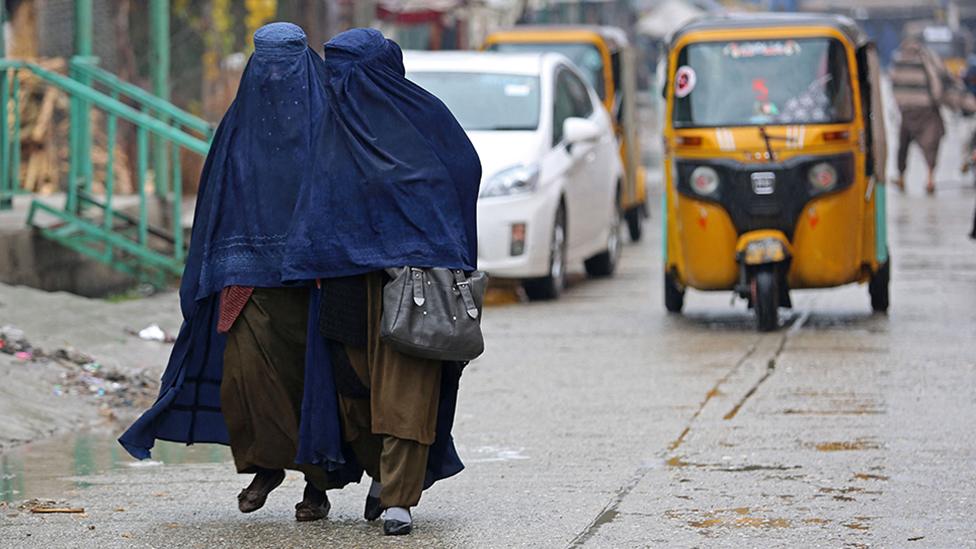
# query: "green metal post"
{"points": [[6, 187], [142, 147], [13, 182], [110, 133], [6, 182], [178, 252], [81, 161], [159, 68]]}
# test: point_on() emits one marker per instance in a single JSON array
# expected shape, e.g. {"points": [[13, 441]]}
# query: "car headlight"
{"points": [[822, 177], [704, 180], [519, 179]]}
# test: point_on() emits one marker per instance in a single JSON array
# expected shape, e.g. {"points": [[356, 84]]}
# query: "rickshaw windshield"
{"points": [[585, 56], [769, 82]]}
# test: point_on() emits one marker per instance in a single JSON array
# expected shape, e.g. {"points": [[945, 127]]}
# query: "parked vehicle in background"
{"points": [[606, 59], [552, 178]]}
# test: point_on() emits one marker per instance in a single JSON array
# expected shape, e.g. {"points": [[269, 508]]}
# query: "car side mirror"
{"points": [[580, 130]]}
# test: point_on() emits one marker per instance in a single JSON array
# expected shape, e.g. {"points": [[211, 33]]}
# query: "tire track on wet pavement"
{"points": [[610, 512]]}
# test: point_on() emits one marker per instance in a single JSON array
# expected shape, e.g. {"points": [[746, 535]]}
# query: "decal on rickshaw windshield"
{"points": [[684, 81], [776, 48]]}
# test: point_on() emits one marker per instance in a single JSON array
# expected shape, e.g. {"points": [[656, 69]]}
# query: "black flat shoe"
{"points": [[397, 528], [373, 510], [314, 505], [253, 497]]}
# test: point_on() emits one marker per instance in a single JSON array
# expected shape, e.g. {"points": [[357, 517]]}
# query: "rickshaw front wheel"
{"points": [[765, 298], [878, 287], [674, 295]]}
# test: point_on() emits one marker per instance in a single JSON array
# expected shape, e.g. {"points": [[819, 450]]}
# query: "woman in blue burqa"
{"points": [[321, 175]]}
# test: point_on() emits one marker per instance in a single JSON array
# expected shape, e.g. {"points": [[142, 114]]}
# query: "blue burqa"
{"points": [[309, 177]]}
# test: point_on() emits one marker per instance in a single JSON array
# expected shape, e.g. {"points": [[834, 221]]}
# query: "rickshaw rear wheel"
{"points": [[878, 287], [674, 295], [765, 299], [635, 223]]}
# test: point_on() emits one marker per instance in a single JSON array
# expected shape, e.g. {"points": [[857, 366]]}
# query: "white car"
{"points": [[551, 172]]}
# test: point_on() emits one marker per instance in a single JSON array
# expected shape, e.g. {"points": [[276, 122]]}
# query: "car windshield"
{"points": [[585, 56], [802, 81], [486, 101]]}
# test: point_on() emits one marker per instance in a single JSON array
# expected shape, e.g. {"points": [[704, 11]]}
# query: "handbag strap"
{"points": [[464, 287], [417, 282]]}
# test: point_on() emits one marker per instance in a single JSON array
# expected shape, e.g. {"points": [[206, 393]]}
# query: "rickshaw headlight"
{"points": [[822, 177], [704, 180]]}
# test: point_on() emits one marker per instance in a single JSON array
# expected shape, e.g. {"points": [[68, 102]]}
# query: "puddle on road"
{"points": [[492, 454], [53, 467]]}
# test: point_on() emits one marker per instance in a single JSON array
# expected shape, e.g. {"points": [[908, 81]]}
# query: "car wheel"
{"points": [[551, 286], [635, 223], [605, 262]]}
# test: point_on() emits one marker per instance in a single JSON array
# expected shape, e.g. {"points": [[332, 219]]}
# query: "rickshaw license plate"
{"points": [[763, 182]]}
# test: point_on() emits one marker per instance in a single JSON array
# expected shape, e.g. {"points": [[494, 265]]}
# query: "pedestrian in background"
{"points": [[917, 79]]}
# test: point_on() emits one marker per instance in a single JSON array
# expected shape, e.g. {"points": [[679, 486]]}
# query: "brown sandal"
{"points": [[255, 495], [314, 505]]}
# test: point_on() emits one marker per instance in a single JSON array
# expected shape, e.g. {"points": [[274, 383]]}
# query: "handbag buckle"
{"points": [[464, 288]]}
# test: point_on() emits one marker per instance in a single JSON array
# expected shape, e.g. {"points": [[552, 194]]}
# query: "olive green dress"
{"points": [[263, 382]]}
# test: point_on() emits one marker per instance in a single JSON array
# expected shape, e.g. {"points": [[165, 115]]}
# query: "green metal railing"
{"points": [[90, 224]]}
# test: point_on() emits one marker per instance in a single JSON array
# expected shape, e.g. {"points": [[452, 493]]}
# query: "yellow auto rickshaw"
{"points": [[607, 61], [774, 160]]}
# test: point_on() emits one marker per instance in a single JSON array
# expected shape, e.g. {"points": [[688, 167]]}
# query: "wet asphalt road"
{"points": [[601, 421]]}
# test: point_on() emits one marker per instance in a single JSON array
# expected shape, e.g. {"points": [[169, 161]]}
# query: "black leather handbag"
{"points": [[434, 313]]}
